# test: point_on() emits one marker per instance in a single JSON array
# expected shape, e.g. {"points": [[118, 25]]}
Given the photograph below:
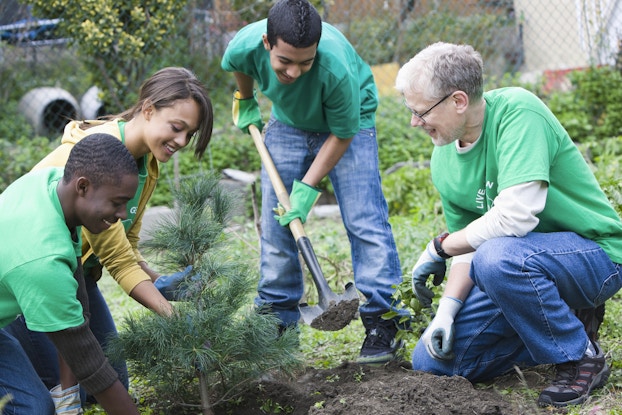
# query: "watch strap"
{"points": [[438, 245]]}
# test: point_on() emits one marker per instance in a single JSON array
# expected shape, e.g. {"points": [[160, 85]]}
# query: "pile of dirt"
{"points": [[358, 390]]}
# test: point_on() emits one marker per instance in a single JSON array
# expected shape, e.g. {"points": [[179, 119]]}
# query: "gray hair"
{"points": [[443, 68]]}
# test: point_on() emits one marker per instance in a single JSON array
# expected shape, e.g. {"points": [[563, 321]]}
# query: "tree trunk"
{"points": [[206, 407]]}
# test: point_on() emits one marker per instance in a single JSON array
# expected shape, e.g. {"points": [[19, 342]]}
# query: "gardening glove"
{"points": [[245, 111], [302, 199], [67, 402], [168, 285], [438, 338], [429, 263]]}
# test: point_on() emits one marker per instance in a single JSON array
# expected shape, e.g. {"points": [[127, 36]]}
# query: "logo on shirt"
{"points": [[481, 197]]}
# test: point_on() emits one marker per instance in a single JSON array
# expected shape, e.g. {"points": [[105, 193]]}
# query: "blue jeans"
{"points": [[357, 186], [42, 352], [520, 311], [19, 379]]}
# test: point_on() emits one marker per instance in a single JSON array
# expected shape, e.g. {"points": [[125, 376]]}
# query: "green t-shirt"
{"points": [[338, 94], [523, 141], [38, 255]]}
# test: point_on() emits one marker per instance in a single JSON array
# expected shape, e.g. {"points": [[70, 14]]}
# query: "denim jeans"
{"points": [[356, 182], [19, 379], [520, 311], [42, 352]]}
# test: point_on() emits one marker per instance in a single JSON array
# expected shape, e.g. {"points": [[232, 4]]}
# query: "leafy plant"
{"points": [[120, 40], [592, 110], [268, 406], [398, 141], [19, 150]]}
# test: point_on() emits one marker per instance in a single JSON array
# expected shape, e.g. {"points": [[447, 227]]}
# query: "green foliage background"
{"points": [[118, 44], [115, 39]]}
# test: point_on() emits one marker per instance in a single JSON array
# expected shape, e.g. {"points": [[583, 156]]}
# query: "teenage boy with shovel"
{"points": [[323, 123]]}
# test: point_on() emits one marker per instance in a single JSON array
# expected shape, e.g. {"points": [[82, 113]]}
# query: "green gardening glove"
{"points": [[302, 199], [245, 111]]}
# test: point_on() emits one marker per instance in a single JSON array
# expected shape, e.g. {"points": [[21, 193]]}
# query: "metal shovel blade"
{"points": [[335, 313]]}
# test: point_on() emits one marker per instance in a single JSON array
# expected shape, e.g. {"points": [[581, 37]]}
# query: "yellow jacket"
{"points": [[117, 251]]}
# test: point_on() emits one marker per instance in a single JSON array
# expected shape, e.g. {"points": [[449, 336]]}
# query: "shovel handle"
{"points": [[279, 188], [295, 226]]}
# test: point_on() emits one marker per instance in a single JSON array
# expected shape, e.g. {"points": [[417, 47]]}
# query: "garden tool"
{"points": [[333, 311]]}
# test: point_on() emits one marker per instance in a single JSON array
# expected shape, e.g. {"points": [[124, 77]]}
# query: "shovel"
{"points": [[333, 312]]}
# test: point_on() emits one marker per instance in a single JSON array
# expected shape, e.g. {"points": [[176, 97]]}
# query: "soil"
{"points": [[391, 389], [335, 316]]}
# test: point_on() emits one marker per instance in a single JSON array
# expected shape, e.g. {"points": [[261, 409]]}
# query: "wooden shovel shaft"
{"points": [[302, 241], [277, 184]]}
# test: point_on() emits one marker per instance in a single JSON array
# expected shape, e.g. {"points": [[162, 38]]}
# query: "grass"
{"points": [[329, 349]]}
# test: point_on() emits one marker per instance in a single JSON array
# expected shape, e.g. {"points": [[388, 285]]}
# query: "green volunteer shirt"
{"points": [[38, 255], [338, 94], [523, 141]]}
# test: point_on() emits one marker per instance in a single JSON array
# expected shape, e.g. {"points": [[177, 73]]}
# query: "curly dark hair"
{"points": [[102, 158]]}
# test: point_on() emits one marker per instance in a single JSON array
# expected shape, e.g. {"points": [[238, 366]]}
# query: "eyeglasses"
{"points": [[424, 113]]}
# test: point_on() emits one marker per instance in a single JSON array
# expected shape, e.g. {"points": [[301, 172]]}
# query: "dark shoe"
{"points": [[380, 345], [576, 380]]}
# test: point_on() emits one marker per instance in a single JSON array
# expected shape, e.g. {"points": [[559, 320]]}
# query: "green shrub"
{"points": [[20, 150], [493, 35], [592, 110], [605, 156], [398, 141]]}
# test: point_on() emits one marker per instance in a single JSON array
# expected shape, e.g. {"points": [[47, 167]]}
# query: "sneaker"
{"points": [[576, 380], [380, 345]]}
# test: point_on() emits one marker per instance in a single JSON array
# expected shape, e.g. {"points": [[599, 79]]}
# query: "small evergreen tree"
{"points": [[214, 335]]}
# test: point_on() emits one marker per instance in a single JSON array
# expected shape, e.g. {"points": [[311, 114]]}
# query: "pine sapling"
{"points": [[214, 335]]}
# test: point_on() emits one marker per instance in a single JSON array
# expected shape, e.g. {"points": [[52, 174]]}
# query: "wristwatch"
{"points": [[438, 245]]}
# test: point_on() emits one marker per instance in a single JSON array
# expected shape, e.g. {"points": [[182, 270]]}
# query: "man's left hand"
{"points": [[438, 338], [302, 199]]}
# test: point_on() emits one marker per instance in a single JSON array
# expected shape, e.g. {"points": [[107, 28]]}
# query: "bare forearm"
{"points": [[459, 282], [456, 244], [245, 84], [148, 295], [115, 400], [147, 269], [67, 378], [329, 155]]}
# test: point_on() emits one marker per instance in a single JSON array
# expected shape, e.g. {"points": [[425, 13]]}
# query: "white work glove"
{"points": [[438, 338], [67, 402]]}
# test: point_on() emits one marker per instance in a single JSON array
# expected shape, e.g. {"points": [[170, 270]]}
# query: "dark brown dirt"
{"points": [[336, 316], [359, 390]]}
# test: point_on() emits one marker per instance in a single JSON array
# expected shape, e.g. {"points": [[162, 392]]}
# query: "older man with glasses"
{"points": [[535, 242]]}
